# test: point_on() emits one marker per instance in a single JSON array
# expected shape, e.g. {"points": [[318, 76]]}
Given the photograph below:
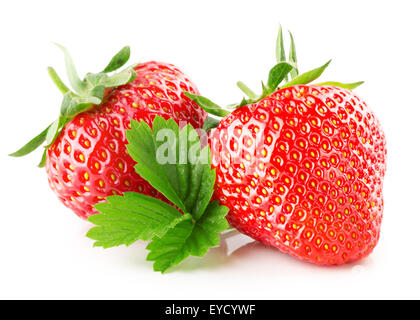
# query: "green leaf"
{"points": [[207, 105], [206, 231], [97, 92], [95, 79], [277, 74], [52, 132], [173, 162], [66, 104], [142, 149], [57, 81], [307, 77], [171, 249], [188, 238], [118, 60], [134, 216], [121, 78], [280, 53], [31, 145], [41, 163], [244, 102], [265, 90], [349, 86], [245, 89], [74, 105], [292, 57], [210, 123], [74, 79], [55, 130]]}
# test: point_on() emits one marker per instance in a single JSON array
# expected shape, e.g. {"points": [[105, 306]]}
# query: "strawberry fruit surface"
{"points": [[302, 170]]}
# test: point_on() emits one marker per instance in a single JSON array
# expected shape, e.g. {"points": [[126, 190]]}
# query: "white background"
{"points": [[43, 250]]}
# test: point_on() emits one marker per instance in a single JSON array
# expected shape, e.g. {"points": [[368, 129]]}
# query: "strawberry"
{"points": [[86, 158], [301, 168]]}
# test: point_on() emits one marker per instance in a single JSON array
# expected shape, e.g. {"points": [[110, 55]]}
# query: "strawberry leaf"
{"points": [[171, 249], [188, 238], [120, 78], [131, 217], [292, 57], [118, 60], [207, 105], [280, 53], [210, 123], [277, 74], [41, 163], [173, 162], [245, 89], [57, 80], [74, 79], [349, 86], [307, 77], [31, 145], [52, 132], [206, 231]]}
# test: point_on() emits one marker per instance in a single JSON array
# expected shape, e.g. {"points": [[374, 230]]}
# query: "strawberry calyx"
{"points": [[283, 75], [84, 95]]}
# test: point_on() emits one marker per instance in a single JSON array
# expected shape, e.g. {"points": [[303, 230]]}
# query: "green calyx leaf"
{"points": [[207, 105], [74, 79], [278, 78], [31, 145], [41, 163], [86, 94], [292, 57], [120, 79], [349, 86], [245, 89], [277, 74], [118, 60], [307, 77], [57, 81], [280, 52], [210, 123], [52, 132], [172, 161]]}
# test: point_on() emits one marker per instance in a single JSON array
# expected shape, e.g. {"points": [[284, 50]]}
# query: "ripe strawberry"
{"points": [[88, 161], [301, 168]]}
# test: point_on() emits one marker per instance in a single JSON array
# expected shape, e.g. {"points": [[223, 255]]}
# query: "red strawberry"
{"points": [[88, 160], [301, 168]]}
